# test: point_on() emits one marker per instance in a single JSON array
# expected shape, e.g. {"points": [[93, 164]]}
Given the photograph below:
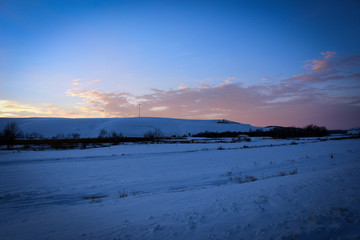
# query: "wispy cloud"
{"points": [[103, 104], [93, 81], [78, 82], [159, 108], [75, 82], [181, 86], [330, 68], [317, 65], [10, 108]]}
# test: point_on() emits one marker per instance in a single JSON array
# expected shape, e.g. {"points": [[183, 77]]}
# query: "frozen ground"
{"points": [[308, 190]]}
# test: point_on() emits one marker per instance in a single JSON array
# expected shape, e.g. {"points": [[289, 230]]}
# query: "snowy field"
{"points": [[264, 189]]}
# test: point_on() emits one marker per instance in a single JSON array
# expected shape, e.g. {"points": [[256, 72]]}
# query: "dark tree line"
{"points": [[292, 132], [275, 132], [12, 134]]}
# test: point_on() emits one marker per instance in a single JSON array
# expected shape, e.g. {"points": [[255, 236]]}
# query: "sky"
{"points": [[288, 63]]}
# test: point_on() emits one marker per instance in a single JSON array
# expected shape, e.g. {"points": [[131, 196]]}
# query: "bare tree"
{"points": [[11, 132], [103, 133]]}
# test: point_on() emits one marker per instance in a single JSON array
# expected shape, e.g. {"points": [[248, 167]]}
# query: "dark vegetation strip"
{"points": [[12, 135], [276, 132], [84, 143]]}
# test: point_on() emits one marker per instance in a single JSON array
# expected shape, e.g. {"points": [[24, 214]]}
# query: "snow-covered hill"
{"points": [[131, 127]]}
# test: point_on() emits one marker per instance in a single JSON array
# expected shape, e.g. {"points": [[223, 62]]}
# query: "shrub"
{"points": [[239, 180], [122, 194], [250, 178], [293, 172], [95, 199]]}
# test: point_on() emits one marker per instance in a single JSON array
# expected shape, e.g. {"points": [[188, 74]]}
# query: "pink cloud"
{"points": [[297, 100], [325, 95], [330, 68], [317, 65]]}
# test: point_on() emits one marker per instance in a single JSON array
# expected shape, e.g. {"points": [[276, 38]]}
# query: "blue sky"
{"points": [[135, 48]]}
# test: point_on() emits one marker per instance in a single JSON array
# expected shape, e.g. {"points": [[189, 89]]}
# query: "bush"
{"points": [[122, 194], [250, 178], [293, 172], [245, 180]]}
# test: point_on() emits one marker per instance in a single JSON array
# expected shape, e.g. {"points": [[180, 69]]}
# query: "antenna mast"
{"points": [[139, 108]]}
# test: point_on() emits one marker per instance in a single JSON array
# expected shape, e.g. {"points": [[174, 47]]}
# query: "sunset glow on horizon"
{"points": [[289, 63]]}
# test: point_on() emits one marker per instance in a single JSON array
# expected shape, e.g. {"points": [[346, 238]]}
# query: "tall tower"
{"points": [[139, 108]]}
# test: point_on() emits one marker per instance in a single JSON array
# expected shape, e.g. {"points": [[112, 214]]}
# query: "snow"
{"points": [[184, 191], [354, 131], [131, 127]]}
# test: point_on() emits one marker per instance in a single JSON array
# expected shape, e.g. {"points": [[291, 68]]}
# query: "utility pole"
{"points": [[139, 109]]}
